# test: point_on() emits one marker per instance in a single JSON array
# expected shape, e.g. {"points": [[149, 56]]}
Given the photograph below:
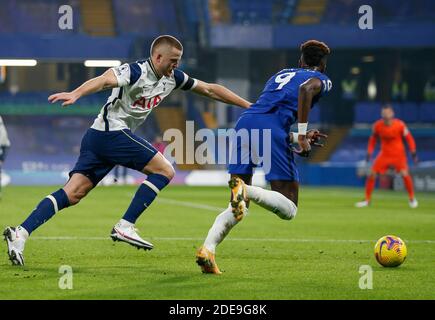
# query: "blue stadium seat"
{"points": [[407, 111], [352, 149], [35, 16], [427, 112], [251, 11], [367, 112], [146, 17], [386, 11]]}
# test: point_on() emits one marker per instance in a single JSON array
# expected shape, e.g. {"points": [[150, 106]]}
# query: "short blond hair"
{"points": [[165, 40]]}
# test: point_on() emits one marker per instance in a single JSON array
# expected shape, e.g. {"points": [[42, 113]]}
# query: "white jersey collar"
{"points": [[150, 65]]}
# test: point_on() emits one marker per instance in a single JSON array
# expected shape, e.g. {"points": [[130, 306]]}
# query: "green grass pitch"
{"points": [[315, 256]]}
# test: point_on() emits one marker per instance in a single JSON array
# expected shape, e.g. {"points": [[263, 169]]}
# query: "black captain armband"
{"points": [[183, 81], [189, 85]]}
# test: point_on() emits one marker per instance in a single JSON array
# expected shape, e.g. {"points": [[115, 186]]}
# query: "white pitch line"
{"points": [[217, 209], [190, 204], [234, 239]]}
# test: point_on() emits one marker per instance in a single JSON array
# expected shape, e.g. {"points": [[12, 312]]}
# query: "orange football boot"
{"points": [[205, 259], [238, 197]]}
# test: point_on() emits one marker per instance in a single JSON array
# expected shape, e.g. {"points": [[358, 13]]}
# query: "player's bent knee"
{"points": [[168, 171], [73, 200], [74, 196], [160, 165], [171, 172]]}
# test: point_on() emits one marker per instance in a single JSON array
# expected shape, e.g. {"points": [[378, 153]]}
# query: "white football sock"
{"points": [[224, 222], [272, 201], [22, 233], [125, 224]]}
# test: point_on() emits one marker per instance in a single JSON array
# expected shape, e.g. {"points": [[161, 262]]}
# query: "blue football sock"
{"points": [[145, 195], [45, 210]]}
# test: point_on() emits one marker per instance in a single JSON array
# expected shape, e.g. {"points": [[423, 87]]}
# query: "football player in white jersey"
{"points": [[4, 146], [137, 88]]}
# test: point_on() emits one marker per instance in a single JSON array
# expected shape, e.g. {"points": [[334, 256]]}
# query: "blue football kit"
{"points": [[276, 110]]}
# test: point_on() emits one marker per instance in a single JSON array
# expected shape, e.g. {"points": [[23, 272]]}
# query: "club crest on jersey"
{"points": [[143, 103]]}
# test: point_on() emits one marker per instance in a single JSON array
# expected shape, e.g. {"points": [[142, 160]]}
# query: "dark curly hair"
{"points": [[314, 52]]}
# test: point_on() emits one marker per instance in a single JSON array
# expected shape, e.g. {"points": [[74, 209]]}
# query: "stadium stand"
{"points": [[30, 29], [410, 112], [145, 18], [390, 11], [98, 18], [54, 138], [354, 147], [419, 117], [314, 11], [35, 16], [427, 112], [309, 12], [247, 12]]}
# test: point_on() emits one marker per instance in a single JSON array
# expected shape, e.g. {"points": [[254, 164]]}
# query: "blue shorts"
{"points": [[100, 151], [268, 149]]}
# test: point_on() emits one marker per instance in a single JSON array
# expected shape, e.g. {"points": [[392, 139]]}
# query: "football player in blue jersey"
{"points": [[286, 99], [137, 88]]}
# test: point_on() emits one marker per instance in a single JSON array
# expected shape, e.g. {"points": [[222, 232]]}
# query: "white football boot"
{"points": [[15, 239], [126, 232], [413, 203], [362, 204]]}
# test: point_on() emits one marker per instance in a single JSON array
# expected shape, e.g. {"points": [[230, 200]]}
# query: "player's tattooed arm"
{"points": [[220, 93], [105, 81]]}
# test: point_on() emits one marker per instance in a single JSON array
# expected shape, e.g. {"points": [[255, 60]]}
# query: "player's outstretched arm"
{"points": [[220, 93], [105, 81]]}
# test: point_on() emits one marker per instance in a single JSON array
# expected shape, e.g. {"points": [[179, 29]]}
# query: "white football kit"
{"points": [[139, 92], [4, 140]]}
